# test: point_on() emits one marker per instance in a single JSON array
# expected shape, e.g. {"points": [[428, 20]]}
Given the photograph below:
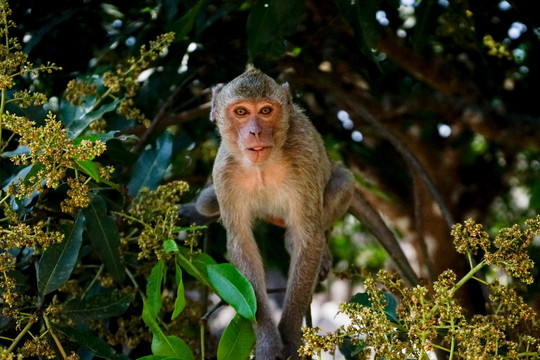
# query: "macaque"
{"points": [[272, 165]]}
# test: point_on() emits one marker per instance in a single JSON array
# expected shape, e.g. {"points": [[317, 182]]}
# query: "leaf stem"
{"points": [[53, 335], [21, 335], [92, 282], [468, 276], [136, 284], [440, 347], [132, 218], [460, 283], [202, 330]]}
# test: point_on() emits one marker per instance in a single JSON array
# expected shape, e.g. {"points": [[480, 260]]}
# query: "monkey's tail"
{"points": [[361, 209]]}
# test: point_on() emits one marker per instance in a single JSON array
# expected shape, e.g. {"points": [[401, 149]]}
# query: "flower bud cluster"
{"points": [[126, 81], [432, 317], [51, 153], [157, 211]]}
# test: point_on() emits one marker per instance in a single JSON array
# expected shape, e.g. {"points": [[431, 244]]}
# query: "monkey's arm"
{"points": [[339, 197]]}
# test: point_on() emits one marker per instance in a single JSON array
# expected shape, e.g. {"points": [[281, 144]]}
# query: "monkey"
{"points": [[272, 165]]}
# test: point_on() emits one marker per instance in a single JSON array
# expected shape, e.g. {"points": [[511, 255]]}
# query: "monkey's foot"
{"points": [[269, 347]]}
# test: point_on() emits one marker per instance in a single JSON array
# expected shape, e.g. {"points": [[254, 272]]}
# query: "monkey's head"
{"points": [[252, 114]]}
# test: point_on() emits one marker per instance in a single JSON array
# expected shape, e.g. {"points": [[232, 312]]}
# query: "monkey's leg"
{"points": [[338, 194], [307, 246], [337, 199], [244, 253]]}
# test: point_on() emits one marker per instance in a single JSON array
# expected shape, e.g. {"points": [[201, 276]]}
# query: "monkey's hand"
{"points": [[201, 212], [189, 215]]}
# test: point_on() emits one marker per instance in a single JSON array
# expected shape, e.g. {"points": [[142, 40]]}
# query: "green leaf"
{"points": [[389, 308], [350, 350], [170, 246], [100, 306], [270, 23], [59, 260], [89, 168], [153, 289], [237, 340], [195, 265], [69, 113], [103, 137], [150, 167], [234, 289], [169, 346], [104, 236], [183, 26], [180, 302], [91, 342], [76, 127]]}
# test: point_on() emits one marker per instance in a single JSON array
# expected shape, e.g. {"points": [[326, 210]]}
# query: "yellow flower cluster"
{"points": [[52, 153], [24, 235], [126, 80], [157, 212], [38, 347], [77, 90], [5, 354], [77, 195], [421, 319], [26, 98], [496, 49]]}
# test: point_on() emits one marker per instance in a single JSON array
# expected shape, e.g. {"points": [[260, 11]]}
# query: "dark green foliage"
{"points": [[268, 26], [104, 236], [149, 169], [58, 261]]}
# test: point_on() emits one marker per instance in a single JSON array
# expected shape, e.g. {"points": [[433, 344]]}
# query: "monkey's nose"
{"points": [[256, 133]]}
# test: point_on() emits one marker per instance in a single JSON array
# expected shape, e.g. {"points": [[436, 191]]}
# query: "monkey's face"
{"points": [[254, 123]]}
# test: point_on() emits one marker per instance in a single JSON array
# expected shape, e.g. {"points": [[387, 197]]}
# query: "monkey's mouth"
{"points": [[258, 154], [258, 148]]}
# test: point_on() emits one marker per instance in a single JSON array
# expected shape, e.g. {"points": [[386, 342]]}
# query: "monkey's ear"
{"points": [[213, 109], [287, 90]]}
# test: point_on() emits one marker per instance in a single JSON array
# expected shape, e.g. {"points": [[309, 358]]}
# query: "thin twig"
{"points": [[213, 309], [202, 110]]}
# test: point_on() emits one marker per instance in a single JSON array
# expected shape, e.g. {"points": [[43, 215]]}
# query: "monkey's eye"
{"points": [[266, 110], [240, 111]]}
